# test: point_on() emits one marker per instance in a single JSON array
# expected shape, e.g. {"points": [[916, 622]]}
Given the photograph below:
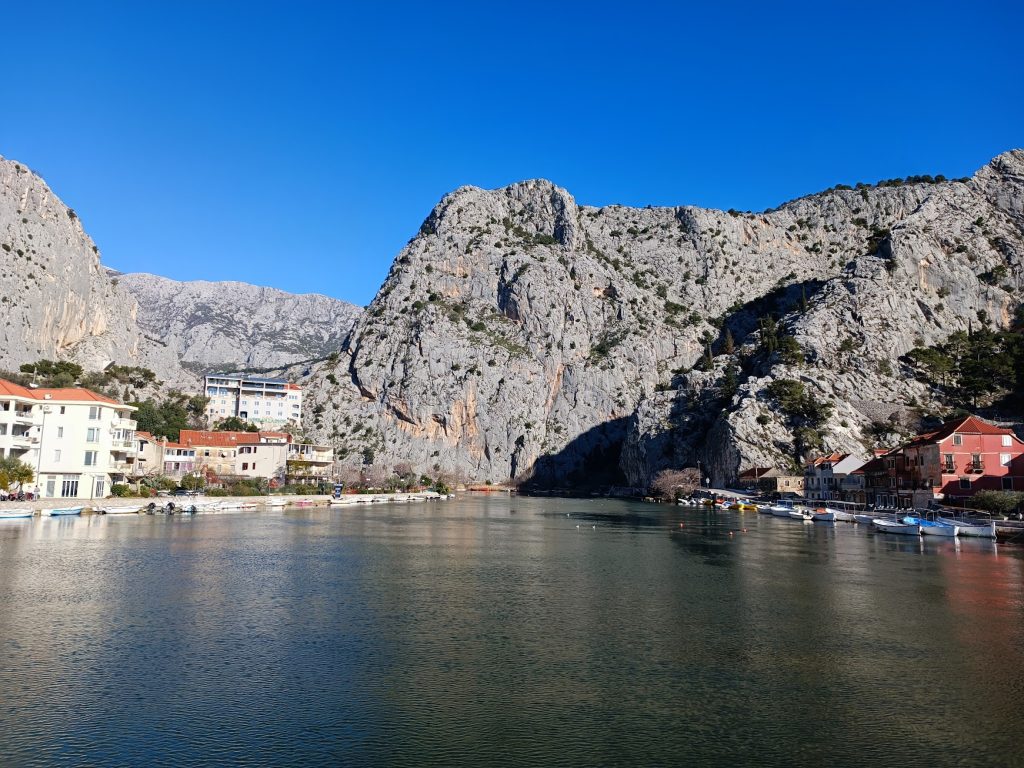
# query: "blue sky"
{"points": [[300, 144]]}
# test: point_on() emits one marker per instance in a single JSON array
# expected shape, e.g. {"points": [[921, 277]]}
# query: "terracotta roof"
{"points": [[293, 386], [190, 437], [178, 445], [968, 425], [61, 394], [144, 435], [833, 458]]}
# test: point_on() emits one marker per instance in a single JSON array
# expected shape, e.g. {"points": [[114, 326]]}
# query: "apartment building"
{"points": [[270, 455], [77, 442], [267, 403], [826, 477]]}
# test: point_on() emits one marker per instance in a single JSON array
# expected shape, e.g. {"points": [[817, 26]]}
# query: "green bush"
{"points": [[120, 490]]}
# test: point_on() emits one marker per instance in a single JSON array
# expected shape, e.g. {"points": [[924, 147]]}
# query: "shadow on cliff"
{"points": [[590, 461]]}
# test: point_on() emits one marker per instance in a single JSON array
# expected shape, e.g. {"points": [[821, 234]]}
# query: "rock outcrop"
{"points": [[519, 334], [237, 326], [58, 302]]}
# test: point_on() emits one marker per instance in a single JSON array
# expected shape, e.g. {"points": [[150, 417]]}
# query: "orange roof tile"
{"points": [[62, 394], [205, 437], [970, 425]]}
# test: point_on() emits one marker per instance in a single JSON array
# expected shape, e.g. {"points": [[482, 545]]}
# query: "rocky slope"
{"points": [[519, 334], [237, 326], [57, 300]]}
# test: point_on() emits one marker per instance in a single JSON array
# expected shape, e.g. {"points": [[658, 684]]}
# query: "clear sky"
{"points": [[300, 144]]}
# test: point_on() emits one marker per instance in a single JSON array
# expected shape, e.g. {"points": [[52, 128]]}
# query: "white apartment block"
{"points": [[76, 441], [267, 403]]}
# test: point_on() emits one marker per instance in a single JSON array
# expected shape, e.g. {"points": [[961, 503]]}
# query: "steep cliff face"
{"points": [[518, 332], [237, 326], [57, 300]]}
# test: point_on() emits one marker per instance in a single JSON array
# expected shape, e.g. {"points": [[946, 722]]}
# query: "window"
{"points": [[965, 483], [69, 486], [958, 439], [1007, 441], [51, 486], [62, 410], [60, 431], [92, 435], [94, 412], [245, 466], [56, 455], [90, 458], [98, 490], [1007, 483], [1004, 459], [947, 461]]}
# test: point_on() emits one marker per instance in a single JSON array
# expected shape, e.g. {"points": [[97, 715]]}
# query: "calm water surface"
{"points": [[496, 632]]}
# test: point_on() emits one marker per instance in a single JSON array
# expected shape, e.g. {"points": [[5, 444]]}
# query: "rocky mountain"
{"points": [[521, 335], [57, 300], [237, 326]]}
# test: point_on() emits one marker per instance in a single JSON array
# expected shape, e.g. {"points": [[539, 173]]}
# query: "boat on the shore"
{"points": [[119, 510], [891, 526], [58, 512], [277, 501], [16, 514]]}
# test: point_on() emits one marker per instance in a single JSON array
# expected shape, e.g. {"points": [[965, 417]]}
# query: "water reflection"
{"points": [[496, 631]]}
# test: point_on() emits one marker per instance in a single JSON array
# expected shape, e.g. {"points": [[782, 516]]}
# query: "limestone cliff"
{"points": [[518, 333], [57, 300], [237, 326]]}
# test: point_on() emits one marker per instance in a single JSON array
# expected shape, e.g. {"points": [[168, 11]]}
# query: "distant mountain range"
{"points": [[61, 303]]}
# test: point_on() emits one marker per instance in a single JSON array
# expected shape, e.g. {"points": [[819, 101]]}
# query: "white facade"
{"points": [[78, 443], [268, 403]]}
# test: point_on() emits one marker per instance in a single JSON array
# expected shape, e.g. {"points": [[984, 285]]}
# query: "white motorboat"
{"points": [[891, 526], [780, 510], [863, 518], [15, 514], [121, 510], [973, 528], [801, 514]]}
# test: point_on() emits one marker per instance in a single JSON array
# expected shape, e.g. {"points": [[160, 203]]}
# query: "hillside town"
{"points": [[951, 464], [74, 443]]}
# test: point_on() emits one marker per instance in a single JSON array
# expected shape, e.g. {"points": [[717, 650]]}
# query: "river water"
{"points": [[495, 631]]}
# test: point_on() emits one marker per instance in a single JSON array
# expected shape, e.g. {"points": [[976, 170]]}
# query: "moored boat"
{"points": [[823, 516], [780, 510], [801, 514], [891, 526], [122, 510], [15, 514], [932, 528], [973, 528], [863, 518], [63, 511]]}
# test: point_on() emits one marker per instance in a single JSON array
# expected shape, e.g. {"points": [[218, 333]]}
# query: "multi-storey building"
{"points": [[270, 455], [163, 457], [957, 460], [268, 403], [76, 441], [824, 476]]}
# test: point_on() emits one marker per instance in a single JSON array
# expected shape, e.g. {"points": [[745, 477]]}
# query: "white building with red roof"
{"points": [[267, 403], [77, 442]]}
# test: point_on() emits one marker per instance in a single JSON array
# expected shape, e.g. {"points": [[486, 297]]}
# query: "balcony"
{"points": [[976, 467], [125, 424], [121, 467], [24, 440], [120, 446]]}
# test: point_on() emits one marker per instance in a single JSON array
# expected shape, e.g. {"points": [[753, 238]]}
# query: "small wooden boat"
{"points": [[16, 514], [63, 511], [891, 526], [973, 528], [823, 516], [932, 528]]}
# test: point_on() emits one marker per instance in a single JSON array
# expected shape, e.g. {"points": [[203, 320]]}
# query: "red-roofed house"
{"points": [[956, 461], [78, 442]]}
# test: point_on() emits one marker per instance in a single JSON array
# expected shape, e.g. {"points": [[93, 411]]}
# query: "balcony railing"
{"points": [[976, 467], [125, 424]]}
